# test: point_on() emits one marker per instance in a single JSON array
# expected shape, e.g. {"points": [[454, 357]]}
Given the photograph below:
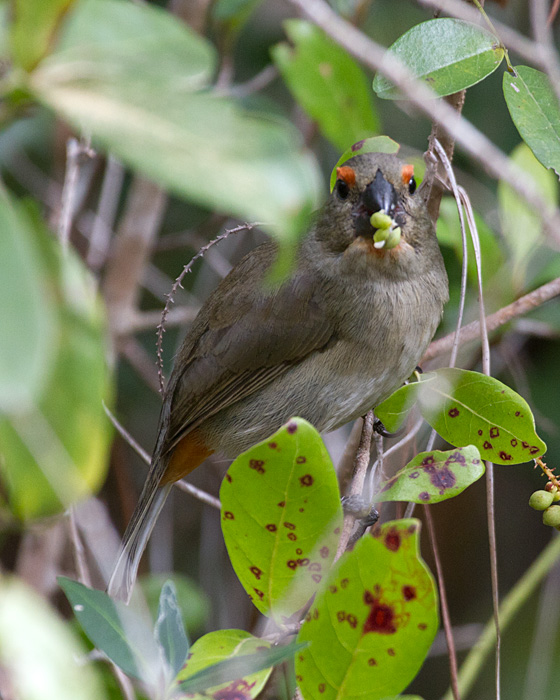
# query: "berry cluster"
{"points": [[547, 500]]}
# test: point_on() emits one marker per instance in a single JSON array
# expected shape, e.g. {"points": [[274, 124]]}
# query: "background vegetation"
{"points": [[131, 136]]}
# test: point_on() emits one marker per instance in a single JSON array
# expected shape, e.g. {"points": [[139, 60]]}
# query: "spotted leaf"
{"points": [[208, 654], [281, 517], [374, 621], [469, 408], [433, 476]]}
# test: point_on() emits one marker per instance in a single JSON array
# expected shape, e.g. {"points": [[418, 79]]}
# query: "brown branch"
{"points": [[521, 306], [453, 673], [361, 464], [131, 252]]}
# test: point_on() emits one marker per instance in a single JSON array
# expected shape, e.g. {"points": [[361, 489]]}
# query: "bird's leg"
{"points": [[366, 515]]}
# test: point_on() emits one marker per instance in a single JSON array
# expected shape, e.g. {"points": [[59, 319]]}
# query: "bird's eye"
{"points": [[342, 189], [412, 186]]}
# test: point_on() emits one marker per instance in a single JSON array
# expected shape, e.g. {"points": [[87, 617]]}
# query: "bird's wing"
{"points": [[243, 344]]}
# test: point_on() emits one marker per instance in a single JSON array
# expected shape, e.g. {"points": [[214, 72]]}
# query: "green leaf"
{"points": [[234, 14], [231, 660], [107, 40], [136, 97], [534, 109], [434, 476], [521, 226], [34, 27], [281, 517], [327, 83], [372, 625], [375, 144], [116, 629], [27, 314], [41, 658], [447, 54], [468, 408], [394, 410], [191, 599], [54, 451], [169, 630]]}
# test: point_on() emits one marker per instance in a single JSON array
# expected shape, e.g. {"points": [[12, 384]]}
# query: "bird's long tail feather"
{"points": [[135, 539]]}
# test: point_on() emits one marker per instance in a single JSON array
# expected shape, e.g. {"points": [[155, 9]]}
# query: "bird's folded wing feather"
{"points": [[241, 344]]}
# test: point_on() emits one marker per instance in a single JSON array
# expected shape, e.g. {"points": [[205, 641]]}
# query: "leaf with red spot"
{"points": [[374, 621], [281, 518], [469, 408], [216, 647], [433, 476], [375, 144]]}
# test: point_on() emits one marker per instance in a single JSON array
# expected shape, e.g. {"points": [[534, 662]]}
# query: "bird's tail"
{"points": [[135, 539]]}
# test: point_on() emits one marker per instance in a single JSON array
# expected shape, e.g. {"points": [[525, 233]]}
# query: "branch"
{"points": [[521, 306]]}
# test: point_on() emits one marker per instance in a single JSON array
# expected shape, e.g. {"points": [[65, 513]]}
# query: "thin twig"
{"points": [[521, 306], [444, 605], [182, 484], [104, 220], [467, 136], [361, 464], [511, 604], [178, 283], [490, 491], [74, 151]]}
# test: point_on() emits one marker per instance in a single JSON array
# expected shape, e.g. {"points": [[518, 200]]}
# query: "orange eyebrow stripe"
{"points": [[406, 173], [347, 174]]}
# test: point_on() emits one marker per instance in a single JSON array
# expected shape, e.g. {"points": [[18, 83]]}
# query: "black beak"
{"points": [[380, 195]]}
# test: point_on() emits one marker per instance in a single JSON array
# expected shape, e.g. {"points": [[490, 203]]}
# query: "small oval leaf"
{"points": [[375, 144], [534, 110], [373, 623], [433, 476], [281, 515], [169, 630], [393, 411], [448, 54], [469, 408], [205, 670]]}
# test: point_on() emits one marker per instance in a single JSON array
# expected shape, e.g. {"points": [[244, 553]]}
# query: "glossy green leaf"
{"points": [[27, 314], [375, 144], [41, 658], [394, 410], [227, 662], [521, 226], [371, 626], [468, 408], [136, 97], [169, 630], [116, 629], [448, 54], [55, 451], [534, 109], [434, 476], [33, 29], [327, 83], [281, 517]]}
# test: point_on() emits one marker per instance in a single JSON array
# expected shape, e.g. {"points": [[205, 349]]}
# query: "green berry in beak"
{"points": [[380, 220]]}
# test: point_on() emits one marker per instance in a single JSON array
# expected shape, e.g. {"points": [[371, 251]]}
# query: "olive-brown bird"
{"points": [[343, 332]]}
